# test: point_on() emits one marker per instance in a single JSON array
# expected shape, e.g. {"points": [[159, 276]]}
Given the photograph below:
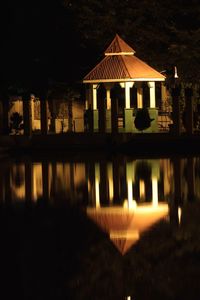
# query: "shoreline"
{"points": [[125, 143]]}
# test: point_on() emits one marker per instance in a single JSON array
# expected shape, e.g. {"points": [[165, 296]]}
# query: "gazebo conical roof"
{"points": [[120, 64], [119, 47]]}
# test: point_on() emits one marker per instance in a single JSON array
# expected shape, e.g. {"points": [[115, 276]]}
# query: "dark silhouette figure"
{"points": [[142, 119]]}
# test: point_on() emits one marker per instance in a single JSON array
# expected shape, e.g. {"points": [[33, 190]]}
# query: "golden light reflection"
{"points": [[17, 181], [110, 182], [154, 191], [97, 181], [142, 189], [125, 226], [37, 181], [179, 214], [130, 204], [130, 192], [130, 178]]}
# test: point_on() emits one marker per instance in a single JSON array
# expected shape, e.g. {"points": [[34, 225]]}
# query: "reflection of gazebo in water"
{"points": [[125, 226], [121, 73]]}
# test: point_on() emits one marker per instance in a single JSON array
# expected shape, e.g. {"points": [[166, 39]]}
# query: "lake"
{"points": [[100, 226]]}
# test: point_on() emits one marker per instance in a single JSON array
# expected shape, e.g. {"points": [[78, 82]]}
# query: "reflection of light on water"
{"points": [[130, 204], [155, 191], [97, 180], [130, 192], [129, 178], [142, 188], [17, 181], [179, 214], [131, 234], [37, 181], [110, 182], [125, 225]]}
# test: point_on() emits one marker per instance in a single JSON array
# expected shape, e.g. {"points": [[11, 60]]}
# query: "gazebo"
{"points": [[122, 69]]}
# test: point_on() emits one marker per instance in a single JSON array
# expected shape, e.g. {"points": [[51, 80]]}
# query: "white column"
{"points": [[108, 100], [139, 96], [32, 110], [127, 86], [108, 87], [151, 85], [94, 94], [127, 95]]}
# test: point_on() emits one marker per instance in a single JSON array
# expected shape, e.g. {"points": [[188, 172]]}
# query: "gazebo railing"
{"points": [[164, 121]]}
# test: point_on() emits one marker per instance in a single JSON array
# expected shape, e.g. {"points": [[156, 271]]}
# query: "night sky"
{"points": [[62, 40], [37, 43]]}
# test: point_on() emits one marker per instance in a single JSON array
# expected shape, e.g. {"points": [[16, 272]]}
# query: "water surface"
{"points": [[100, 227]]}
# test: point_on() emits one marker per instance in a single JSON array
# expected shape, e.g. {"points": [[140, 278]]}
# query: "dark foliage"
{"points": [[62, 40], [195, 119]]}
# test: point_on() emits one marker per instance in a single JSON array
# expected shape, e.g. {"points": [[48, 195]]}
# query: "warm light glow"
{"points": [[18, 186], [154, 192], [129, 178], [142, 189], [131, 204], [97, 180], [125, 204], [139, 97], [89, 186], [179, 214], [127, 96], [37, 181], [123, 80], [130, 192], [124, 226], [94, 90], [110, 182], [175, 72], [145, 209], [128, 234], [108, 100], [119, 53], [152, 94]]}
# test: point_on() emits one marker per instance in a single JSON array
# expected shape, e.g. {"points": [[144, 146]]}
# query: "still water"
{"points": [[101, 227]]}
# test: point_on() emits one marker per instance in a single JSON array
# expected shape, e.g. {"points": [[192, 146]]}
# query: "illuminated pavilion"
{"points": [[120, 67]]}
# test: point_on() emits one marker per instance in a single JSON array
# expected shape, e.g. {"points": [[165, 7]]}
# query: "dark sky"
{"points": [[37, 41], [41, 39]]}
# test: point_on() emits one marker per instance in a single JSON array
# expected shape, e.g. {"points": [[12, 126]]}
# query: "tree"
{"points": [[162, 33]]}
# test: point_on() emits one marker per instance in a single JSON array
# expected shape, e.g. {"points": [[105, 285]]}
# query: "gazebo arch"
{"points": [[120, 65]]}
